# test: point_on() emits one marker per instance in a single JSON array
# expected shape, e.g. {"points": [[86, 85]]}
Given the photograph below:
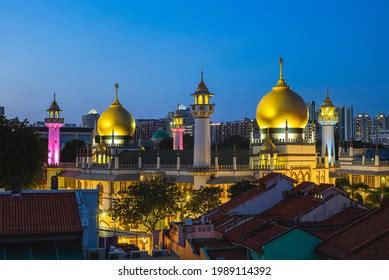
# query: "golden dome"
{"points": [[282, 105], [116, 119]]}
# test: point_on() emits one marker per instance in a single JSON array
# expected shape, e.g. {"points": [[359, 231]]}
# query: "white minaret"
{"points": [[328, 117], [201, 110]]}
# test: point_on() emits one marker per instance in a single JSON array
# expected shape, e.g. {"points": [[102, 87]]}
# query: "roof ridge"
{"points": [[362, 245]]}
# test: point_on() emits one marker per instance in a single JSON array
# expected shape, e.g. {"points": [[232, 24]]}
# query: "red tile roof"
{"points": [[291, 208], [322, 188], [365, 238], [346, 216], [39, 213], [254, 233], [304, 186], [325, 229], [240, 199], [267, 178], [259, 239]]}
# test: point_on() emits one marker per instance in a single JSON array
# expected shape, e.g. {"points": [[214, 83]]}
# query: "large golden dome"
{"points": [[116, 119], [282, 106]]}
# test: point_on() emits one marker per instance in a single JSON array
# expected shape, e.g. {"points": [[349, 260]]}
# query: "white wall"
{"points": [[328, 209], [202, 142]]}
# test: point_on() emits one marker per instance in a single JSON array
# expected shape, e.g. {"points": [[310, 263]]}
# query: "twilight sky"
{"points": [[156, 49]]}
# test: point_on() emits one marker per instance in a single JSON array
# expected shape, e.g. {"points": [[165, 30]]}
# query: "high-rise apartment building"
{"points": [[345, 126], [363, 127]]}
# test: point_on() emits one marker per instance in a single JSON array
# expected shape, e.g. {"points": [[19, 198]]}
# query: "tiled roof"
{"points": [[253, 233], [39, 213], [267, 178], [242, 198], [304, 186], [291, 208], [322, 188], [366, 238], [325, 229]]}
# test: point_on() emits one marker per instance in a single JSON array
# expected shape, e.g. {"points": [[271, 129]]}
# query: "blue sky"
{"points": [[156, 49]]}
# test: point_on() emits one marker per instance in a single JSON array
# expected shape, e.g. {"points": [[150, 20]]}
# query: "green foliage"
{"points": [[202, 201], [147, 203], [375, 196], [166, 144], [240, 188], [69, 151], [238, 141], [22, 154]]}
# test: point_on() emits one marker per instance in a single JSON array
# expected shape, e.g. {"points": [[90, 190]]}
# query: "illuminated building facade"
{"points": [[54, 124], [177, 128]]}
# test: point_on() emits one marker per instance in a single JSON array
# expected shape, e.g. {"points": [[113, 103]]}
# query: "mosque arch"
{"points": [[307, 176], [300, 176]]}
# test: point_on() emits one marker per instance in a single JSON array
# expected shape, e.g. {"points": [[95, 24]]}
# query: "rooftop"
{"points": [[39, 214], [365, 238]]}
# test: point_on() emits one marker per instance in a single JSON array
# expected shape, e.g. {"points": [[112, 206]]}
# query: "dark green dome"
{"points": [[159, 135]]}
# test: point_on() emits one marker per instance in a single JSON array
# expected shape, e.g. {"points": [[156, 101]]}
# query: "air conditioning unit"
{"points": [[96, 254]]}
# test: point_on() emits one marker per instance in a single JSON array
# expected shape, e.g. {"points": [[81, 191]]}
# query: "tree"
{"points": [[166, 144], [188, 142], [202, 201], [238, 141], [69, 151], [342, 183], [22, 155], [146, 203], [358, 187], [239, 188]]}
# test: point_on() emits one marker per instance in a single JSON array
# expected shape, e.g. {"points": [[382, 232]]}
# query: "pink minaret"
{"points": [[54, 123], [177, 128]]}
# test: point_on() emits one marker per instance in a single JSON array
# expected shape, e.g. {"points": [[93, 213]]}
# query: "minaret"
{"points": [[177, 128], [328, 117], [54, 123], [201, 110]]}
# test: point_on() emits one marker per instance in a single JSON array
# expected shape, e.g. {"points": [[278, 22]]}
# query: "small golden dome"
{"points": [[116, 119], [282, 105]]}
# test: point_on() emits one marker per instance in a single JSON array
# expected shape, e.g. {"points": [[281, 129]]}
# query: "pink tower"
{"points": [[54, 123], [177, 128]]}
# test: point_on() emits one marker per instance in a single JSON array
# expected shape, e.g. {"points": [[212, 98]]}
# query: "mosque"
{"points": [[114, 162]]}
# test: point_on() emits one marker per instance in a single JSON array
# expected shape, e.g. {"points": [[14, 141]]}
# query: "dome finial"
{"points": [[281, 62], [116, 91], [328, 93], [54, 97], [202, 76]]}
